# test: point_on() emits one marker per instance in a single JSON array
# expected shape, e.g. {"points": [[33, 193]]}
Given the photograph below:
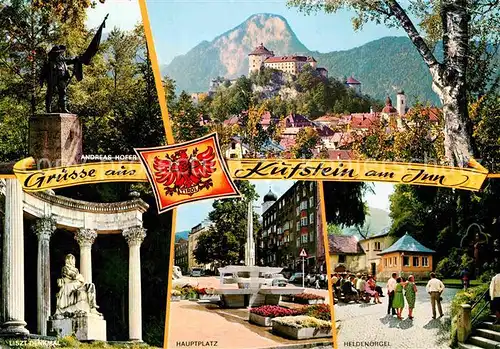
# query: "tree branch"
{"points": [[413, 34]]}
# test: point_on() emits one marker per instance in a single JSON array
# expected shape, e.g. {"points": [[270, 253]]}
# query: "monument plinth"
{"points": [[55, 139], [85, 327]]}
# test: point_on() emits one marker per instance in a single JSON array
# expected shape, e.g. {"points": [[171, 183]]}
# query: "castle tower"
{"points": [[401, 103], [269, 199], [257, 57], [351, 82], [312, 62]]}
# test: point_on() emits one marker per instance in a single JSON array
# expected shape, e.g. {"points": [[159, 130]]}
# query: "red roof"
{"points": [[280, 59], [388, 106], [287, 142], [340, 154], [327, 118], [352, 81], [434, 113], [233, 120], [364, 120], [261, 50], [344, 244]]}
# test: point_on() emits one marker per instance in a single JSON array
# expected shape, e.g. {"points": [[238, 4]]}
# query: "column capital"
{"points": [[85, 237], [134, 235], [44, 228]]}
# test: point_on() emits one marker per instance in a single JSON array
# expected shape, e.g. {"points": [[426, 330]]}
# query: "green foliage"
{"points": [[469, 296], [344, 203], [186, 119], [487, 276], [306, 141], [334, 229], [454, 263], [224, 242]]}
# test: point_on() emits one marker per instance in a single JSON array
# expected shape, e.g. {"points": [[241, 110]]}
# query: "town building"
{"points": [[372, 246], [237, 148], [293, 64], [291, 223], [195, 233], [181, 255], [198, 97], [346, 254], [406, 256], [354, 84]]}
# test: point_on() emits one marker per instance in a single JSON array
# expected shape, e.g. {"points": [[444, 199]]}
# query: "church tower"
{"points": [[269, 199]]}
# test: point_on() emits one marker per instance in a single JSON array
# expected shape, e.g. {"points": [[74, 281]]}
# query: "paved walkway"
{"points": [[200, 325], [369, 323]]}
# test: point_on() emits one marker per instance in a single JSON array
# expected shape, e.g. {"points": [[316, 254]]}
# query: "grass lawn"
{"points": [[452, 282]]}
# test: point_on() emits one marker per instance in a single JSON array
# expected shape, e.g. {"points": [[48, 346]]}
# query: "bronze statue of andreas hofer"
{"points": [[56, 74]]}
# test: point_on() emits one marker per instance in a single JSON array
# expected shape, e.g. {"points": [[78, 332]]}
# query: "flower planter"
{"points": [[209, 297], [175, 298], [300, 333], [315, 301], [264, 321]]}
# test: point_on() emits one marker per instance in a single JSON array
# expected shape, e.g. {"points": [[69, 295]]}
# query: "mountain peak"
{"points": [[233, 46]]}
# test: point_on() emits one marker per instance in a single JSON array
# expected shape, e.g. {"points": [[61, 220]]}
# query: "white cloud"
{"points": [[123, 14]]}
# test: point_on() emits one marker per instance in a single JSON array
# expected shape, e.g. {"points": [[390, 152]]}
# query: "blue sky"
{"points": [[179, 25]]}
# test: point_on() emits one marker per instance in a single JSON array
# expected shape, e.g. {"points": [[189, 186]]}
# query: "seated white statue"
{"points": [[74, 296]]}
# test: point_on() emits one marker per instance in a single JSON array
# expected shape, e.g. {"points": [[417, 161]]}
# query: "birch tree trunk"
{"points": [[448, 78]]}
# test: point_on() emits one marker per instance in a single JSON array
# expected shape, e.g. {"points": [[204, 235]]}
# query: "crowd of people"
{"points": [[400, 291], [359, 287]]}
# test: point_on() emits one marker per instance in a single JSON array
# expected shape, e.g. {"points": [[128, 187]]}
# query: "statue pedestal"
{"points": [[55, 139], [87, 327]]}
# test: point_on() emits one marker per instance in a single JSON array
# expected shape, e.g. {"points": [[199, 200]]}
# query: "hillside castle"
{"points": [[293, 64]]}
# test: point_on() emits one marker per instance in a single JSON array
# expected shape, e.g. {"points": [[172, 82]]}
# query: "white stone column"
{"points": [[43, 228], [86, 238], [13, 260], [134, 236]]}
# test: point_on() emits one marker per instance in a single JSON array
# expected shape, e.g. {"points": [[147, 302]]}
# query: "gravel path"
{"points": [[368, 325]]}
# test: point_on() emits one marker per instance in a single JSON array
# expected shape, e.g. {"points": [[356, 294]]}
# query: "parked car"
{"points": [[275, 280], [196, 272], [279, 280], [296, 278], [228, 278]]}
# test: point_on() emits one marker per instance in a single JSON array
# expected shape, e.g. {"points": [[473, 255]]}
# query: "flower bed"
{"points": [[318, 311], [308, 298], [175, 296], [187, 292], [262, 315], [301, 327]]}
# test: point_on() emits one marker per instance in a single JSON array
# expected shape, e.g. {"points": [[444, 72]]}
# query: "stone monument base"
{"points": [[87, 327], [55, 139]]}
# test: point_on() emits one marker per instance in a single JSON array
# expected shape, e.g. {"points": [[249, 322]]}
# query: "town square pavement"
{"points": [[195, 324], [369, 326]]}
